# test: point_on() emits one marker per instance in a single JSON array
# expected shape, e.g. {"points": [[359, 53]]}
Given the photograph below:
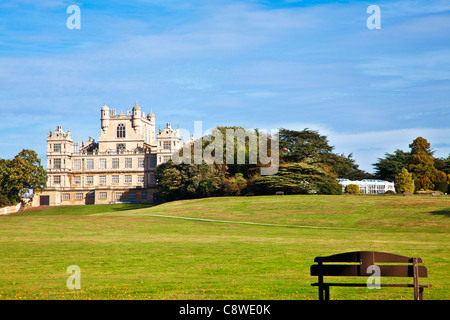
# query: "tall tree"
{"points": [[310, 147], [303, 146], [421, 164]]}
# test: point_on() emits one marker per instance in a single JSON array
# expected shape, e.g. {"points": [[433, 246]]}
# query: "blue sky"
{"points": [[258, 64]]}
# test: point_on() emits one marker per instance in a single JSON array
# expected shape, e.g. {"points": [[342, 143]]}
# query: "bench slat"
{"points": [[356, 270], [356, 257], [400, 285]]}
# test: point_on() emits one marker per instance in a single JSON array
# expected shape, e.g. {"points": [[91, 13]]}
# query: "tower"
{"points": [[104, 118], [152, 129], [136, 117], [59, 150], [169, 141]]}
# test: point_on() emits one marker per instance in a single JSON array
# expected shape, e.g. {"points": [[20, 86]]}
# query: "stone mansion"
{"points": [[120, 167]]}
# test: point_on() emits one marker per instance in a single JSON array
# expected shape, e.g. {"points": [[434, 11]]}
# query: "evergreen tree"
{"points": [[391, 165]]}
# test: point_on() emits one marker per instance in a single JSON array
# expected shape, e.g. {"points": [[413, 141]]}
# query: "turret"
{"points": [[136, 116], [151, 117], [104, 118]]}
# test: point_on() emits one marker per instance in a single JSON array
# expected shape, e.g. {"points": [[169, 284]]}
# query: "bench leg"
{"points": [[327, 293], [420, 293], [416, 279]]}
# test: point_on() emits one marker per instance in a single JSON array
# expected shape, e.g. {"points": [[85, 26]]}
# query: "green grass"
{"points": [[129, 252]]}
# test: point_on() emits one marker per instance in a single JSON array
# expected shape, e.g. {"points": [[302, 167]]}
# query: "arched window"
{"points": [[121, 130]]}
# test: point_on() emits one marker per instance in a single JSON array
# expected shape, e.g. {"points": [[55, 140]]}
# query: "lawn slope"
{"points": [[217, 248]]}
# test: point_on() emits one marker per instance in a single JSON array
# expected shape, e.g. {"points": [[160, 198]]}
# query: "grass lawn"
{"points": [[218, 248]]}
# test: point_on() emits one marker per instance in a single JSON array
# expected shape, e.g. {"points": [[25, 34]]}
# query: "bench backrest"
{"points": [[356, 264]]}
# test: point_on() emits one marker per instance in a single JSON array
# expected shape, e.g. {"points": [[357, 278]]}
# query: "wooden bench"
{"points": [[355, 264]]}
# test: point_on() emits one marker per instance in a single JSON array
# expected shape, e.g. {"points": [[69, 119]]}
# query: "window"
{"points": [[152, 179], [152, 161], [90, 180], [77, 180], [57, 164], [56, 179], [57, 147], [77, 164], [121, 130], [102, 195], [144, 195], [140, 178], [132, 195], [89, 163], [128, 162], [115, 179], [65, 196], [166, 145], [78, 196], [120, 147], [102, 180], [141, 162], [166, 158], [118, 195], [102, 163], [128, 179], [115, 163]]}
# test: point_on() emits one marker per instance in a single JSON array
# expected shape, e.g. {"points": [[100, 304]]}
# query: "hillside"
{"points": [[217, 248]]}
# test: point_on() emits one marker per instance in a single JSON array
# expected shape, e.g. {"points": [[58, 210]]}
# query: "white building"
{"points": [[369, 186]]}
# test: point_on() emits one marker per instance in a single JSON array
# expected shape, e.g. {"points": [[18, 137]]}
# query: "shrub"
{"points": [[416, 185], [404, 182], [4, 201], [389, 192], [352, 188], [234, 186], [441, 186], [329, 187]]}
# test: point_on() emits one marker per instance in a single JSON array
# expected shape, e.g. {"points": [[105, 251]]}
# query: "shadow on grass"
{"points": [[442, 212], [131, 206], [82, 209]]}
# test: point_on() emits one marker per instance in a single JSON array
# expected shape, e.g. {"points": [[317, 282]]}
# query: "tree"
{"points": [[21, 175], [185, 181], [442, 164], [310, 147], [404, 182], [421, 164], [297, 178], [391, 165], [303, 146]]}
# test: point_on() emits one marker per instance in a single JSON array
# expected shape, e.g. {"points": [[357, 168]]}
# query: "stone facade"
{"points": [[120, 167]]}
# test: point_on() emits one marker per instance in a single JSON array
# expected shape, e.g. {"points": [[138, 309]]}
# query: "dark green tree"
{"points": [[297, 178], [303, 146], [309, 146], [21, 175], [391, 165], [186, 181]]}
